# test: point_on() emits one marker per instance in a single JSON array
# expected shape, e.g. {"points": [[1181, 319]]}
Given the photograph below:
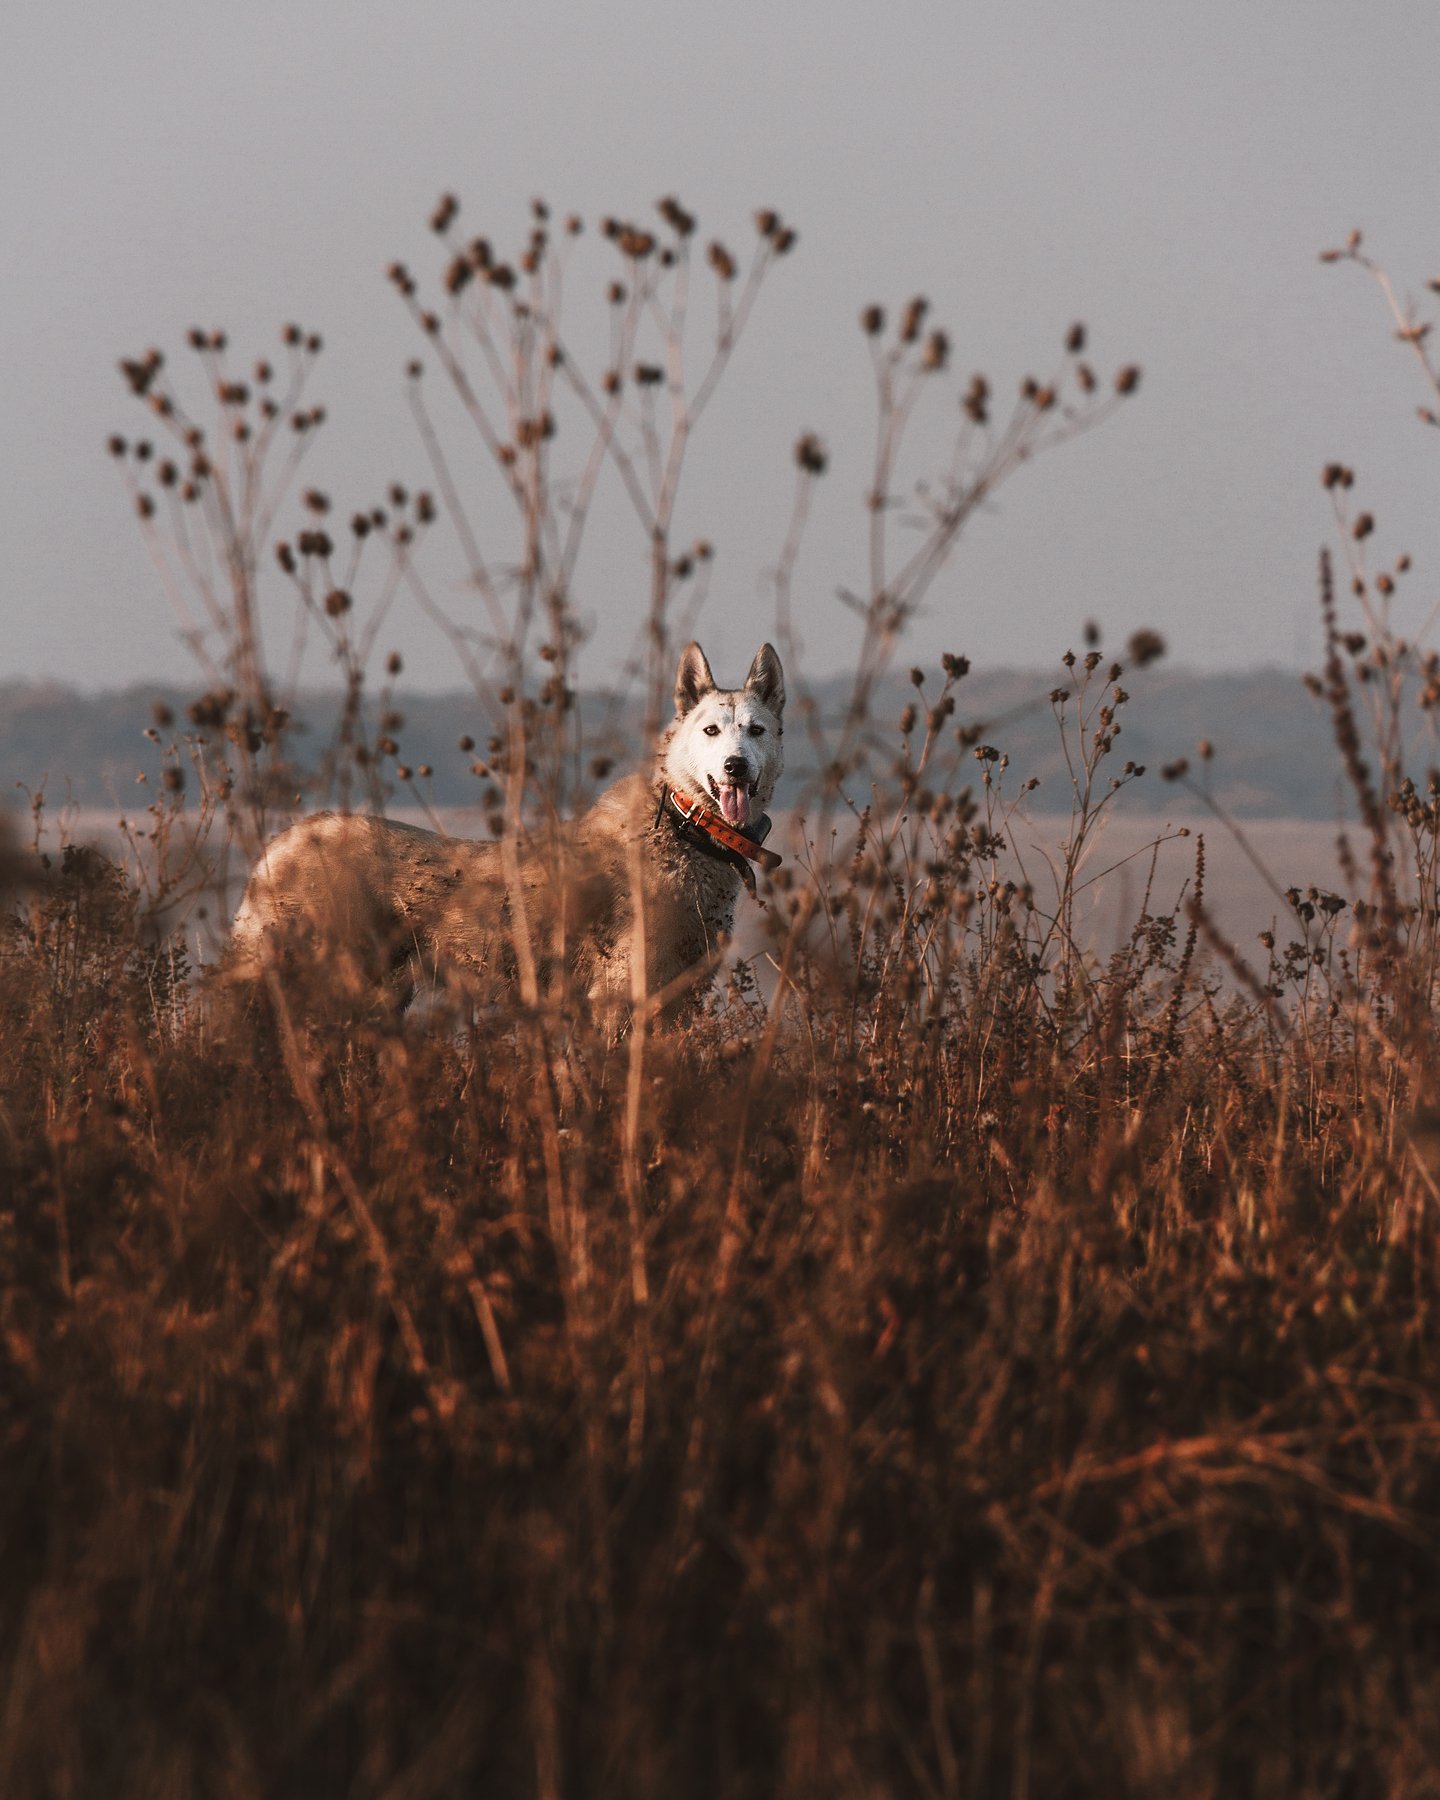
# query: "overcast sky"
{"points": [[1164, 170]]}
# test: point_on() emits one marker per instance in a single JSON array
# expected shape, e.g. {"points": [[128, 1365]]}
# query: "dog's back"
{"points": [[350, 897]]}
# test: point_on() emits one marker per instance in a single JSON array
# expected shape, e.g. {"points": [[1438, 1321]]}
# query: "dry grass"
{"points": [[949, 1366], [971, 1372]]}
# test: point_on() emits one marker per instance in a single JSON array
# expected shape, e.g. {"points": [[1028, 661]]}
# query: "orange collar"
{"points": [[726, 841]]}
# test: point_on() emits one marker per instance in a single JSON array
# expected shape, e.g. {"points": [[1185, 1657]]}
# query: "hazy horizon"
{"points": [[1167, 175]]}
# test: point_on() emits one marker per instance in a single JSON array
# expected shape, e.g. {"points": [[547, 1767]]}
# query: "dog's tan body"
{"points": [[369, 903]]}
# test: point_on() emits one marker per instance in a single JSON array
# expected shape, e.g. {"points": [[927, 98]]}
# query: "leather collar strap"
{"points": [[706, 829]]}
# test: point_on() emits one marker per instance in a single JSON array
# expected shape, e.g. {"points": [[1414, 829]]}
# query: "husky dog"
{"points": [[373, 904]]}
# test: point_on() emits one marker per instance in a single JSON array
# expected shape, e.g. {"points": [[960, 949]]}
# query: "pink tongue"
{"points": [[734, 804]]}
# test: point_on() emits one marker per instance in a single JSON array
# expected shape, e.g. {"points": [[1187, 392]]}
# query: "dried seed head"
{"points": [[337, 602], [675, 216], [211, 709], [872, 321], [394, 663], [1363, 526], [913, 318], [1128, 379], [767, 222], [722, 262], [1145, 646], [1075, 338], [444, 214], [810, 454], [936, 352], [116, 445]]}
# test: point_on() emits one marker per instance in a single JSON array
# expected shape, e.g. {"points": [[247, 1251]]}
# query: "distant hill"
{"points": [[1274, 754]]}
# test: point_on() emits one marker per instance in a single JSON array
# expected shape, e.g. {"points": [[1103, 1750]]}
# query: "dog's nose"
{"points": [[737, 768]]}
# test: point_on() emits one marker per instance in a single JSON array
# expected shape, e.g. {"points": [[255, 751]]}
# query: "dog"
{"points": [[632, 899]]}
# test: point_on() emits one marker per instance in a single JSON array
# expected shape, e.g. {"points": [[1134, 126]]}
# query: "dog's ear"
{"points": [[693, 680], [766, 679]]}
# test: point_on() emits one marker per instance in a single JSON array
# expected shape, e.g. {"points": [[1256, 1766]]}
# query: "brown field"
{"points": [[972, 1369]]}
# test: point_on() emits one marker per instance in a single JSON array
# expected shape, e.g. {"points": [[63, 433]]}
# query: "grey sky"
{"points": [[1165, 171]]}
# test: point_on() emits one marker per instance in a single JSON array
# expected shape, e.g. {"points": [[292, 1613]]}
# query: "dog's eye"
{"points": [[712, 731], [756, 730]]}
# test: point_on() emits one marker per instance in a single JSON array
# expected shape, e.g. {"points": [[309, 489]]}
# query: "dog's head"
{"points": [[725, 747]]}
